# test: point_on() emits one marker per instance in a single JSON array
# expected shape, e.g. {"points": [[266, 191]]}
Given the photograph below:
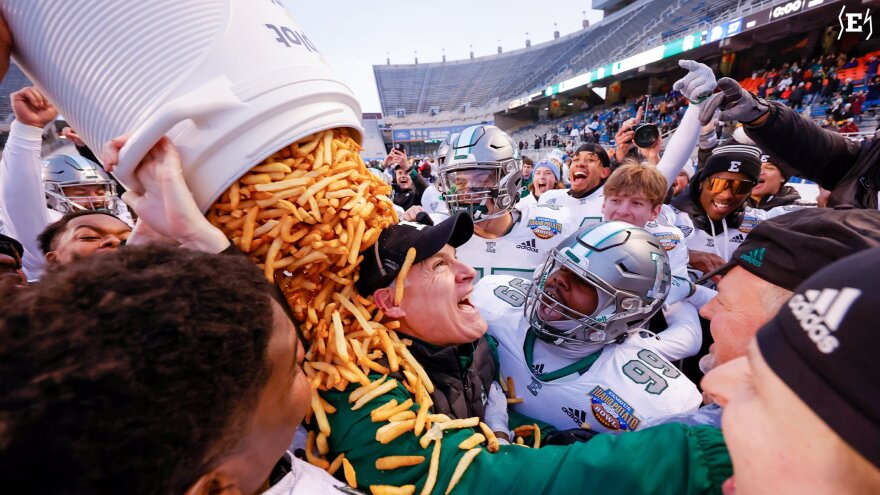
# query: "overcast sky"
{"points": [[356, 34]]}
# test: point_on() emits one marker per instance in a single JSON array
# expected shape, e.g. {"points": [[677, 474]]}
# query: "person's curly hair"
{"points": [[132, 372]]}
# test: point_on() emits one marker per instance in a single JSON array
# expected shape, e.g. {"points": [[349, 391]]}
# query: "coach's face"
{"points": [[436, 305], [734, 315]]}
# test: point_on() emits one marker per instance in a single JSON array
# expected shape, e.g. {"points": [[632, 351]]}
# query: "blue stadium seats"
{"points": [[493, 80]]}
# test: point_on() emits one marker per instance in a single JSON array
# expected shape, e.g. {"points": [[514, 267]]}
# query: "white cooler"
{"points": [[229, 81]]}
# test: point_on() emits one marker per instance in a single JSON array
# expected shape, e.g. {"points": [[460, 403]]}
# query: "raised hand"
{"points": [[735, 103], [699, 82], [166, 206], [32, 108]]}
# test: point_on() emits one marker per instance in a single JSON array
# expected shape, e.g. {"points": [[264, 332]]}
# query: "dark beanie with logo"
{"points": [[735, 158], [824, 343], [787, 249]]}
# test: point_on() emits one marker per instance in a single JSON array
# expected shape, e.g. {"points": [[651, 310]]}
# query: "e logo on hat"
{"points": [[734, 166]]}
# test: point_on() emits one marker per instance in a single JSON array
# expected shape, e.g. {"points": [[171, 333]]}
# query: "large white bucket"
{"points": [[229, 81]]}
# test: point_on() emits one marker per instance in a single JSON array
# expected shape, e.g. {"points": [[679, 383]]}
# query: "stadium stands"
{"points": [[416, 88], [12, 82]]}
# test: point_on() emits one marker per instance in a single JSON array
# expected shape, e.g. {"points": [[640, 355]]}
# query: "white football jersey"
{"points": [[586, 210], [432, 201], [538, 229], [629, 386], [673, 241]]}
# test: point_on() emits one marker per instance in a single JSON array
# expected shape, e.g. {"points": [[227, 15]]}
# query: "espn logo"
{"points": [[820, 312]]}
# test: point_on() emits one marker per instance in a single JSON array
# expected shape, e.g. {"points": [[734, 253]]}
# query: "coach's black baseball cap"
{"points": [[787, 249], [383, 260], [823, 344]]}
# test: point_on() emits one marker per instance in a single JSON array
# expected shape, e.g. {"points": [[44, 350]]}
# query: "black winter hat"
{"points": [[738, 158], [787, 249], [823, 344]]}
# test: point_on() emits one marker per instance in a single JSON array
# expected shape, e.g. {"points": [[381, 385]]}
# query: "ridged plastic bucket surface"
{"points": [[230, 81]]}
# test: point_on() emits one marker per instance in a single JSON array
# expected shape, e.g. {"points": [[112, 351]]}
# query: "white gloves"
{"points": [[699, 82], [496, 410]]}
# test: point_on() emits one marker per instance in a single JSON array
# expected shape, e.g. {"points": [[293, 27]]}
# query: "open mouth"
{"points": [[579, 176], [722, 207], [464, 303]]}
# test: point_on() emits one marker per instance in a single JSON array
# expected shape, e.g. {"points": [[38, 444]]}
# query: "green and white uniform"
{"points": [[623, 386], [672, 459], [586, 210], [536, 230]]}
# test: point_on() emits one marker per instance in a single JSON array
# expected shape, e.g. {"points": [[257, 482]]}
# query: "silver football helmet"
{"points": [[75, 183], [483, 167], [627, 268], [443, 149]]}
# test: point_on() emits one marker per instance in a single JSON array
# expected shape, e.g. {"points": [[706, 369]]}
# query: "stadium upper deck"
{"points": [[449, 86]]}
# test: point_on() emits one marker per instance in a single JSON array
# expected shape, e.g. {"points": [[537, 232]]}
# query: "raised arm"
{"points": [[23, 208]]}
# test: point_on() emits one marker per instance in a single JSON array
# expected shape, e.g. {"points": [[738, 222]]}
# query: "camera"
{"points": [[645, 134], [400, 147]]}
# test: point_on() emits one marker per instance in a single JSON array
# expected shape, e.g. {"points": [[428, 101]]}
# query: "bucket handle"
{"points": [[206, 101]]}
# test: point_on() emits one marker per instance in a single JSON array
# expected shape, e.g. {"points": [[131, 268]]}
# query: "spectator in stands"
{"points": [[847, 89], [408, 186], [143, 397], [849, 169], [874, 90], [762, 89], [527, 165], [11, 273], [871, 68], [771, 191], [801, 410], [796, 98]]}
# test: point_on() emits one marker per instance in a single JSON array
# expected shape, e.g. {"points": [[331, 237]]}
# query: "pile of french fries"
{"points": [[303, 216]]}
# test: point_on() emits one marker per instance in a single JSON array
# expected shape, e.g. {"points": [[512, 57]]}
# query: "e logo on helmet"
{"points": [[734, 166]]}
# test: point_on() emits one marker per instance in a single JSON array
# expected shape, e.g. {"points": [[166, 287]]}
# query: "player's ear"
{"points": [[384, 300]]}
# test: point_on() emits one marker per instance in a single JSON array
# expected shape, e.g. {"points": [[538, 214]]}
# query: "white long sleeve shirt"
{"points": [[23, 210]]}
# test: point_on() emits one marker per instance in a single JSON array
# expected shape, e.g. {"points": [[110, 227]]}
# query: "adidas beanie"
{"points": [[787, 249], [823, 344]]}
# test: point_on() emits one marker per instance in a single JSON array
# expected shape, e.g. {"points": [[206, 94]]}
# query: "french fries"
{"points": [[461, 467], [491, 439], [401, 275], [392, 490], [398, 461], [389, 432], [537, 436], [472, 441], [304, 216], [431, 480], [350, 476]]}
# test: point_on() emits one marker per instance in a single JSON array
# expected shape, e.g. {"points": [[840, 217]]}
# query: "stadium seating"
{"points": [[643, 24], [12, 82]]}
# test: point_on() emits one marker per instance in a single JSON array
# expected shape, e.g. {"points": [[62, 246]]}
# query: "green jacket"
{"points": [[670, 459]]}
